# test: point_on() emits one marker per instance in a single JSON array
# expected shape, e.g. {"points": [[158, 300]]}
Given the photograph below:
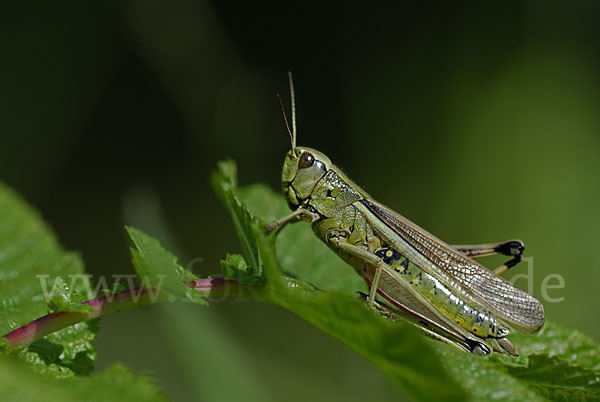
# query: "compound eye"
{"points": [[306, 160]]}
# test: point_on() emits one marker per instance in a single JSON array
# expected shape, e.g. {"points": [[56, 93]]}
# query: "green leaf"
{"points": [[51, 353], [571, 345], [557, 364], [234, 267], [224, 180], [61, 298], [34, 269], [159, 271], [30, 259], [116, 383], [557, 379]]}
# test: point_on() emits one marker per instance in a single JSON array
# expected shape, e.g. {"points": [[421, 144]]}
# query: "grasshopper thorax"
{"points": [[303, 167]]}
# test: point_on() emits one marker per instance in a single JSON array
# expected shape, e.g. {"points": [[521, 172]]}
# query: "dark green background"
{"points": [[479, 122]]}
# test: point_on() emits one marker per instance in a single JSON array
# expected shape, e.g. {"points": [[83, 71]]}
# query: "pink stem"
{"points": [[105, 305]]}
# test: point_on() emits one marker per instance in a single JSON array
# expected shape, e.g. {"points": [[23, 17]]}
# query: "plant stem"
{"points": [[109, 304]]}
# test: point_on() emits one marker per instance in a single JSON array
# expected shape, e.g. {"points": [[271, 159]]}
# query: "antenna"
{"points": [[287, 126], [291, 132], [293, 109]]}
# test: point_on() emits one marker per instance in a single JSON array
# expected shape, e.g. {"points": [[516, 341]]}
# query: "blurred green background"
{"points": [[478, 121]]}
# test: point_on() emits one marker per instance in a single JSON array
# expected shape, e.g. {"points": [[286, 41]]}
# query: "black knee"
{"points": [[513, 247]]}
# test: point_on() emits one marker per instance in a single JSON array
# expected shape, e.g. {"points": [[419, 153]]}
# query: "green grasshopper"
{"points": [[439, 288]]}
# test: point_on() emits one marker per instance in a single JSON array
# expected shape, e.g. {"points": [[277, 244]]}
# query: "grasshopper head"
{"points": [[302, 169]]}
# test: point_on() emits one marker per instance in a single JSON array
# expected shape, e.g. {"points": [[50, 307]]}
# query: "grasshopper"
{"points": [[412, 274]]}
